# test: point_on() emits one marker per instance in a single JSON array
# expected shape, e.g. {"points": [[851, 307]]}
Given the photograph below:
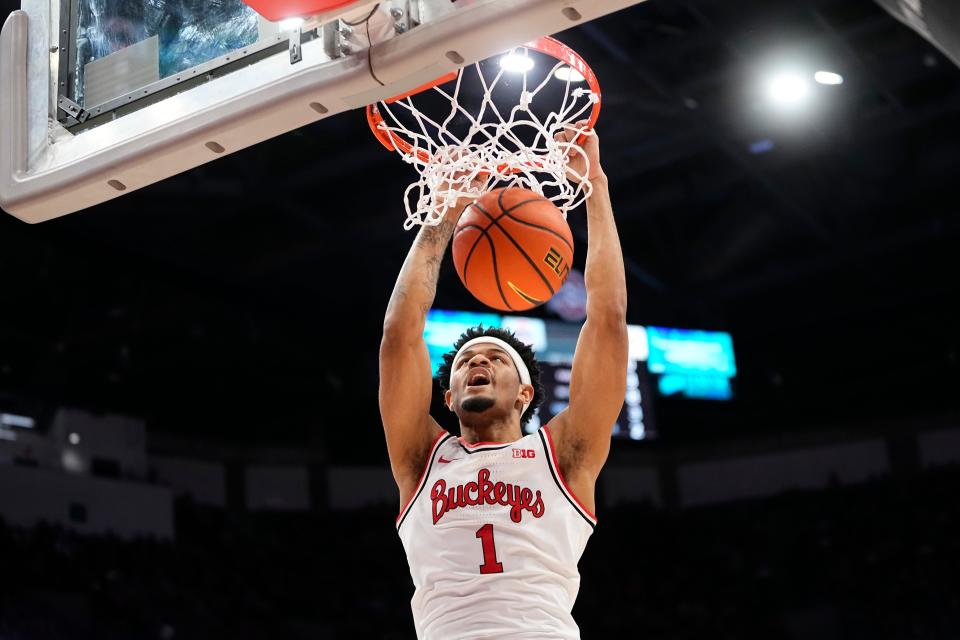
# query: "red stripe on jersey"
{"points": [[556, 465], [480, 444], [423, 474]]}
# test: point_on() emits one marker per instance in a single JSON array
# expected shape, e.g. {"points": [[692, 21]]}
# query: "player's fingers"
{"points": [[582, 126], [572, 131]]}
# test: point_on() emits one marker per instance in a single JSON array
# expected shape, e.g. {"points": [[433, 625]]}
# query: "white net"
{"points": [[470, 147]]}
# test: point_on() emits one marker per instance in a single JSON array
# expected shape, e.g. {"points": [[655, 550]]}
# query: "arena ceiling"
{"points": [[243, 300]]}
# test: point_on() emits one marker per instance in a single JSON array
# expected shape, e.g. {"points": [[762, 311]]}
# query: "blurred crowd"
{"points": [[869, 562]]}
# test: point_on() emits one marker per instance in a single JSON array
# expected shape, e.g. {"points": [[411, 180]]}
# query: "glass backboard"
{"points": [[102, 97]]}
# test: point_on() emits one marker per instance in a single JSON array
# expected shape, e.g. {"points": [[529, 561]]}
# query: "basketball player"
{"points": [[494, 522]]}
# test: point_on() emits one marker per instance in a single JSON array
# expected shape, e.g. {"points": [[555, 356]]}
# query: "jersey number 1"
{"points": [[490, 564]]}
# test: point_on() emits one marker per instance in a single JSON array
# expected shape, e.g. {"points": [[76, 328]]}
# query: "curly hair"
{"points": [[526, 354]]}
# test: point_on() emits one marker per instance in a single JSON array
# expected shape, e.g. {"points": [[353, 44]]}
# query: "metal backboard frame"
{"points": [[50, 166], [71, 115]]}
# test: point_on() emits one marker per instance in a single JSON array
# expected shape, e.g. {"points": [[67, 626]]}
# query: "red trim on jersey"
{"points": [[480, 444], [556, 465], [423, 474]]}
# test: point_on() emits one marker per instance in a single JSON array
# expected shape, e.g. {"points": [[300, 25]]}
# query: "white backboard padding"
{"points": [[64, 173]]}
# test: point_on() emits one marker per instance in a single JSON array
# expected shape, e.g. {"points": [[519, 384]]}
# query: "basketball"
{"points": [[512, 249]]}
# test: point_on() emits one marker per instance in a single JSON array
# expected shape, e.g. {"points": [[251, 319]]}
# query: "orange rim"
{"points": [[547, 45]]}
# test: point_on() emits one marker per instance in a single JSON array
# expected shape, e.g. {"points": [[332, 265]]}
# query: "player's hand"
{"points": [[577, 163], [465, 194]]}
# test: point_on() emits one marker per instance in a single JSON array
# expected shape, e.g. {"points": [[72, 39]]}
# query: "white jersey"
{"points": [[493, 537]]}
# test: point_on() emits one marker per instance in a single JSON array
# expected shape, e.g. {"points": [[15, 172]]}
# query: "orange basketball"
{"points": [[512, 249]]}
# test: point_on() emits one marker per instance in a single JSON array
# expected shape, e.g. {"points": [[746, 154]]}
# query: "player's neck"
{"points": [[507, 431]]}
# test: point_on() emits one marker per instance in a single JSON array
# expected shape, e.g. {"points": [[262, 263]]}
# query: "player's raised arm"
{"points": [[598, 380], [405, 375]]}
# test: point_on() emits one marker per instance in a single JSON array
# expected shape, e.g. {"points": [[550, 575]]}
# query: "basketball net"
{"points": [[492, 153]]}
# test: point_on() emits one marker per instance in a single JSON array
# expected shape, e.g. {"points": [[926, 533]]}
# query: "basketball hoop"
{"points": [[453, 137]]}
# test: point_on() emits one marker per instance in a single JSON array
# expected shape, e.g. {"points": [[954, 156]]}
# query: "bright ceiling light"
{"points": [[788, 90], [74, 438], [290, 24], [828, 77], [516, 62], [568, 74]]}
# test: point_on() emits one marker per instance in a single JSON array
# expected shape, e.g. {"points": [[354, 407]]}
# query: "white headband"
{"points": [[517, 360]]}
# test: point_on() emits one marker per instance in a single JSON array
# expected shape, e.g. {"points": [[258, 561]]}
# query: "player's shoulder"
{"points": [[562, 443], [409, 470]]}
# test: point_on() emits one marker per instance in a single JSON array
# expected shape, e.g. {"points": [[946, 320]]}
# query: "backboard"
{"points": [[103, 97]]}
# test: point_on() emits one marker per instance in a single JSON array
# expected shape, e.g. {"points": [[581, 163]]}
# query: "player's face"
{"points": [[483, 378]]}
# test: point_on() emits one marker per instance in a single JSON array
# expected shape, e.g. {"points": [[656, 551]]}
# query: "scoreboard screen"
{"points": [[636, 417], [688, 351], [691, 363]]}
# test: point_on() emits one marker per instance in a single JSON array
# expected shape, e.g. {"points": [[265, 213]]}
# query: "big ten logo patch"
{"points": [[555, 261], [524, 453]]}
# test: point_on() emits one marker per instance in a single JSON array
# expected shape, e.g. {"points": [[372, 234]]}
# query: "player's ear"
{"points": [[526, 393], [447, 398]]}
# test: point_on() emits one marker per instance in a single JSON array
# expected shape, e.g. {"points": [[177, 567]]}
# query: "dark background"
{"points": [[242, 302], [264, 275]]}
